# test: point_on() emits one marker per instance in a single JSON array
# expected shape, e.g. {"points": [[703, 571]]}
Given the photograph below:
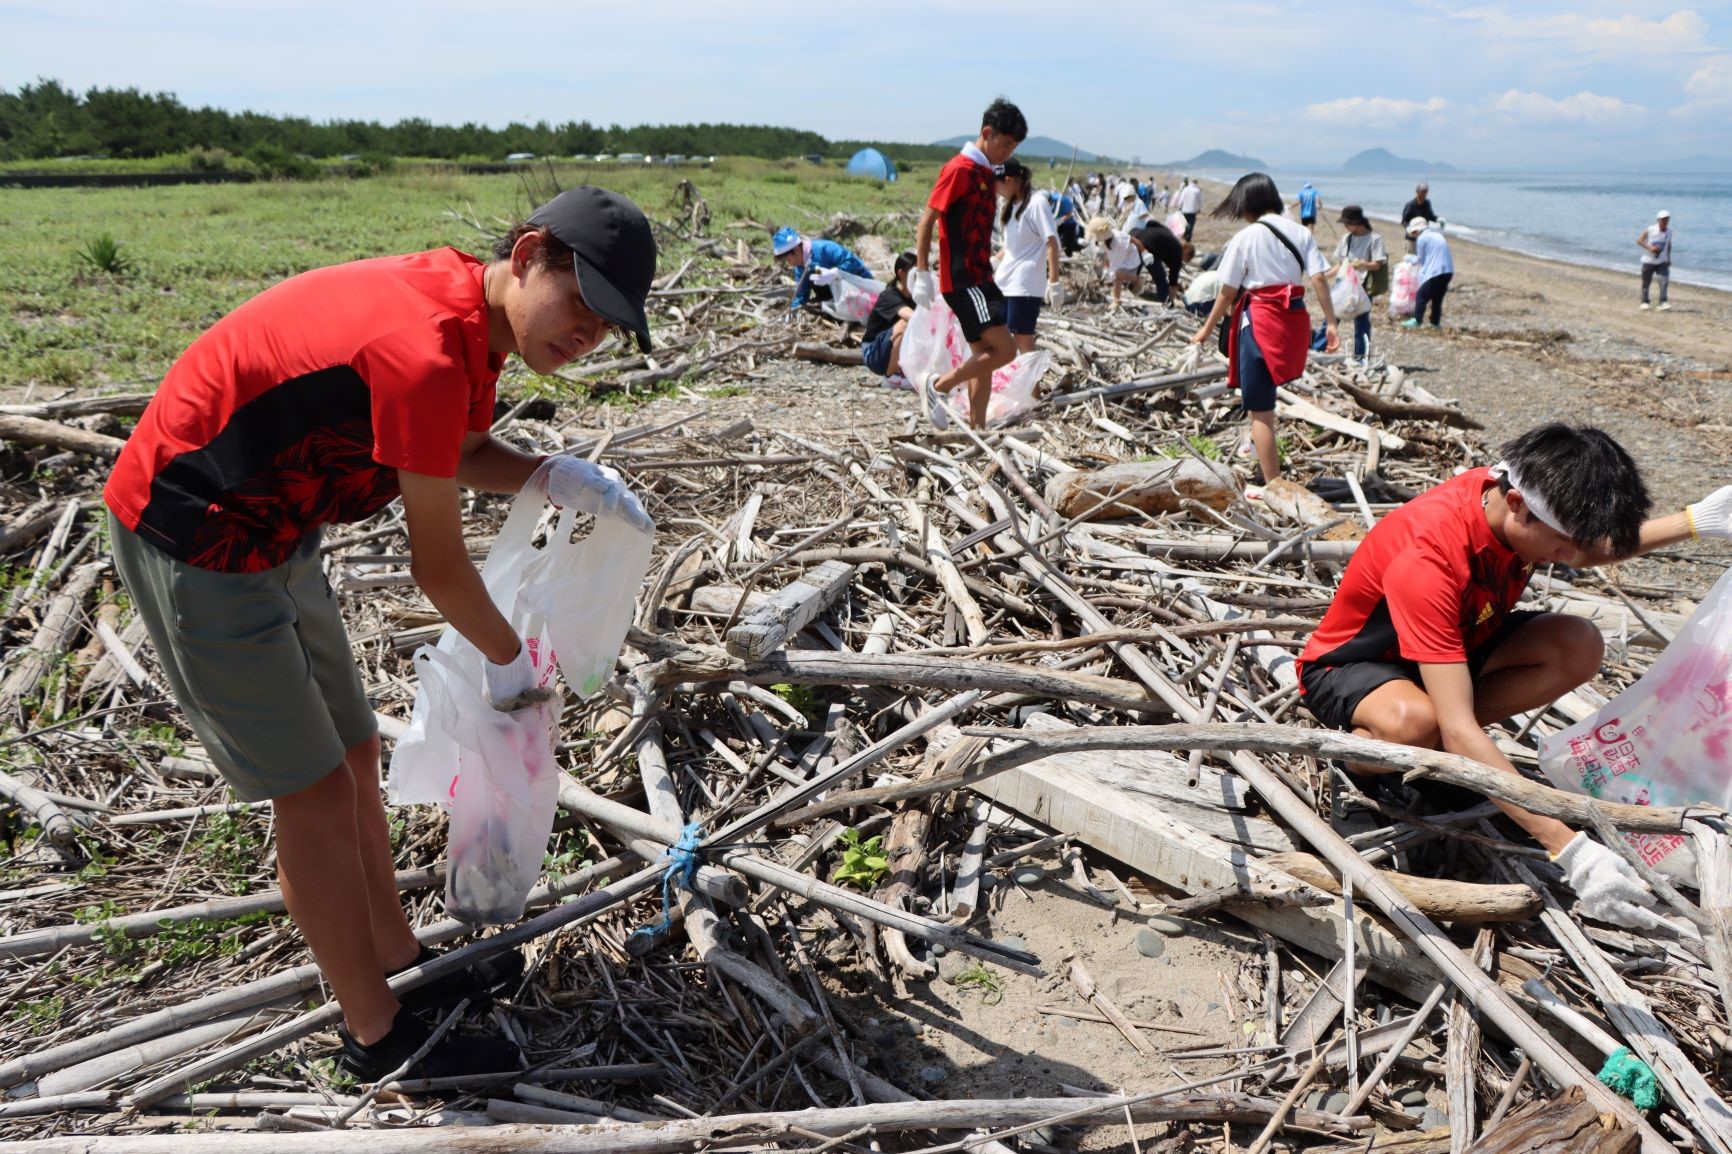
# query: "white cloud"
{"points": [[1575, 38], [1582, 108], [1372, 111], [1709, 88]]}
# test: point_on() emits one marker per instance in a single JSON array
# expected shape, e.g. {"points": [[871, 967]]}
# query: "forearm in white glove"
{"points": [[1055, 297], [513, 685], [826, 275], [575, 483], [1606, 887], [922, 287], [1712, 515]]}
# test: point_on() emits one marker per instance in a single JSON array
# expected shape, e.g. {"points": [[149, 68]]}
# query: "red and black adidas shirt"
{"points": [[964, 199], [1430, 583], [297, 409]]}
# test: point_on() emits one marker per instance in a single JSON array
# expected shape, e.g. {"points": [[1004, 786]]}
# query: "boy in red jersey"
{"points": [[961, 206], [1423, 645], [318, 402]]}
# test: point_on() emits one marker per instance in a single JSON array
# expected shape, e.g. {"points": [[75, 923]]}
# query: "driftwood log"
{"points": [[1565, 1125], [1158, 486]]}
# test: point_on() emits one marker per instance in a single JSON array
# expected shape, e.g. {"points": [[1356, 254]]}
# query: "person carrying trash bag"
{"points": [[319, 402], [1262, 301], [1422, 644], [1361, 247], [807, 257]]}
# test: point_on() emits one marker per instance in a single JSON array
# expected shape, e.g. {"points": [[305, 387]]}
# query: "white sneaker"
{"points": [[1646, 306], [936, 408], [1665, 306]]}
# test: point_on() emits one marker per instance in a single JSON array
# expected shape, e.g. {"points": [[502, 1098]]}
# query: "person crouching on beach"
{"points": [[1120, 255], [961, 208], [1030, 268], [881, 346], [807, 257], [319, 402], [1263, 275], [1422, 644], [1361, 247], [1436, 271]]}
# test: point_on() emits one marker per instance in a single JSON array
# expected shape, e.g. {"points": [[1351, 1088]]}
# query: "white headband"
{"points": [[1535, 503]]}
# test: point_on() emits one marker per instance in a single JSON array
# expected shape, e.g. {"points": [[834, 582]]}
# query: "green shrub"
{"points": [[281, 164], [103, 254]]}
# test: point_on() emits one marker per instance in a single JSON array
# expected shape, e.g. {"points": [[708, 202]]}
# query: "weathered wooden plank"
{"points": [[789, 610], [1138, 831]]}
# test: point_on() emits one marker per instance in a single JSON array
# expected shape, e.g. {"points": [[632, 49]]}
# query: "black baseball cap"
{"points": [[613, 251]]}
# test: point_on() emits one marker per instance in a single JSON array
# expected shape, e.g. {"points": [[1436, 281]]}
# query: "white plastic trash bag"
{"points": [[1666, 740], [1348, 294], [572, 601], [851, 297], [933, 342], [1176, 224], [502, 796], [1404, 288]]}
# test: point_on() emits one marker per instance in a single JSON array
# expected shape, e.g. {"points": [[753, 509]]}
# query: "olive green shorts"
{"points": [[259, 662]]}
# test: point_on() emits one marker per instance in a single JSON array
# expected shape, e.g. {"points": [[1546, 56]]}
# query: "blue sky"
{"points": [[1475, 84]]}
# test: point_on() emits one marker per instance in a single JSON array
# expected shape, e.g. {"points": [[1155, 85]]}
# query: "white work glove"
{"points": [[575, 483], [1712, 515], [1606, 887], [922, 287], [826, 275], [1055, 294], [507, 685]]}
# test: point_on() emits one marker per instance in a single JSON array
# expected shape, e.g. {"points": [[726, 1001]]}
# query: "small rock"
{"points": [[938, 949], [1336, 1102], [1413, 1097], [1012, 943], [950, 967], [1150, 944], [1431, 1118], [932, 1075], [1172, 927], [1028, 875], [1314, 1100]]}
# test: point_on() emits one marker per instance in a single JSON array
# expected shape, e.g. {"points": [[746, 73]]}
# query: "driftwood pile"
{"points": [[1067, 642]]}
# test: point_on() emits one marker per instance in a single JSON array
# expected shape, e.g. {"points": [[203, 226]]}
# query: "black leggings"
{"points": [[1432, 292]]}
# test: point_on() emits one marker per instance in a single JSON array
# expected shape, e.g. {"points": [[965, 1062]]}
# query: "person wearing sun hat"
{"points": [[1436, 271], [319, 402], [1656, 242], [1361, 247]]}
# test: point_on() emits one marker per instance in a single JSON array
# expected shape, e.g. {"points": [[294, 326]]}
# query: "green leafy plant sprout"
{"points": [[864, 862], [978, 977], [103, 254], [802, 697]]}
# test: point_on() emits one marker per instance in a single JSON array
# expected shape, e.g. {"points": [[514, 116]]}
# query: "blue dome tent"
{"points": [[870, 162]]}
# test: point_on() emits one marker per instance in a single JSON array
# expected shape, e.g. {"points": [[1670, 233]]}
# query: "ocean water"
{"points": [[1584, 219]]}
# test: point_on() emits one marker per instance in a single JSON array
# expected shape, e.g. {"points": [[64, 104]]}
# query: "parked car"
{"points": [[518, 157]]}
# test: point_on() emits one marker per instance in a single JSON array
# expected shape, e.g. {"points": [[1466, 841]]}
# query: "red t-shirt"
{"points": [[297, 409], [1430, 583], [964, 199]]}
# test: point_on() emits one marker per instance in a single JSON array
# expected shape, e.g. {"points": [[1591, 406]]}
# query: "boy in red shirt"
{"points": [[1423, 645], [318, 402], [961, 205]]}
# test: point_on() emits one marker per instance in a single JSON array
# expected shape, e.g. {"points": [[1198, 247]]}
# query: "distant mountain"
{"points": [[1375, 161], [1038, 147], [1218, 158]]}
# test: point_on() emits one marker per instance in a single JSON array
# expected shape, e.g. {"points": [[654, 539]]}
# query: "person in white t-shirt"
{"points": [[1029, 267], [1656, 242], [1190, 204], [1134, 214], [1264, 271], [1120, 254]]}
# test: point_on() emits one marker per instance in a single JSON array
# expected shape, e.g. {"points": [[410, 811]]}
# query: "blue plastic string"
{"points": [[682, 868]]}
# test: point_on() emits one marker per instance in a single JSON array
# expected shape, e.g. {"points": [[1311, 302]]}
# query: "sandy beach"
{"points": [[1527, 340]]}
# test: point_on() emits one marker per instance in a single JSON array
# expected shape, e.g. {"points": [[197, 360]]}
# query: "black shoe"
{"points": [[454, 1055], [477, 982]]}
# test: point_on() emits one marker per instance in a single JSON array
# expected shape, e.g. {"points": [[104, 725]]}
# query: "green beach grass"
{"points": [[197, 251]]}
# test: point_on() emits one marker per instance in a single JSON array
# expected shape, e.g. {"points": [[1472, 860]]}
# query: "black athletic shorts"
{"points": [[978, 308], [1333, 692]]}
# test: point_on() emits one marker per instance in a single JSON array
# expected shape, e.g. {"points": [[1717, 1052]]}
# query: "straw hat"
{"points": [[1099, 230]]}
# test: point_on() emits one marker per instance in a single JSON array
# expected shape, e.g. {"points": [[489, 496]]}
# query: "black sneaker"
{"points": [[477, 982], [455, 1055]]}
